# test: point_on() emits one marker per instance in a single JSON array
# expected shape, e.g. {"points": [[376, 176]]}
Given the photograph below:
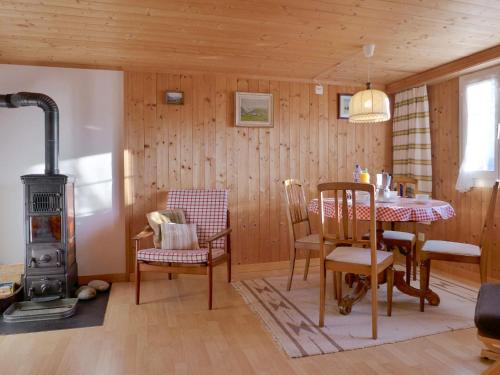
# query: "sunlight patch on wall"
{"points": [[93, 182]]}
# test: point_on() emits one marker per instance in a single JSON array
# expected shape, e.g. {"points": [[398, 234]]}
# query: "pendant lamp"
{"points": [[370, 105]]}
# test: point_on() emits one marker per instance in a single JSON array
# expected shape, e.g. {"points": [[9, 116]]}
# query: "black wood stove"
{"points": [[49, 214]]}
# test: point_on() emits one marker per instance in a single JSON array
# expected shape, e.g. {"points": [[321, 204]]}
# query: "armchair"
{"points": [[208, 210]]}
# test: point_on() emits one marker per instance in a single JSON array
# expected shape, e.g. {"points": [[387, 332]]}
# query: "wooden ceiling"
{"points": [[301, 39]]}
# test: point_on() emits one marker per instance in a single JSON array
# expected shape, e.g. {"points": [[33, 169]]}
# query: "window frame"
{"points": [[481, 178]]}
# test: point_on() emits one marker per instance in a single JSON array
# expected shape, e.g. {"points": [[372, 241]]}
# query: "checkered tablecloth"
{"points": [[404, 209]]}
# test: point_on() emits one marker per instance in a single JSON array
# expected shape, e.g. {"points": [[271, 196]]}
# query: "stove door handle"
{"points": [[58, 258]]}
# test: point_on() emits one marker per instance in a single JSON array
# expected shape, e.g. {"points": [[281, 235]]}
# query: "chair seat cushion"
{"points": [[177, 256], [399, 236], [487, 317], [357, 255], [452, 248]]}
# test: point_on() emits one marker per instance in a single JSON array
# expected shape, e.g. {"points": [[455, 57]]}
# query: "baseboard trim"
{"points": [[110, 277]]}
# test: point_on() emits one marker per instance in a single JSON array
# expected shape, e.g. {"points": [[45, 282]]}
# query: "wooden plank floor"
{"points": [[172, 332]]}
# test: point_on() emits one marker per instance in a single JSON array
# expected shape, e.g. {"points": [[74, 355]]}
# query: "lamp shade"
{"points": [[369, 106]]}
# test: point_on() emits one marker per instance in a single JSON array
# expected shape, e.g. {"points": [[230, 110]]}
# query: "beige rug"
{"points": [[292, 317]]}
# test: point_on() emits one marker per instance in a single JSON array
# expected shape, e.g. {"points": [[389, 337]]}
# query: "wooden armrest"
{"points": [[223, 233], [146, 232]]}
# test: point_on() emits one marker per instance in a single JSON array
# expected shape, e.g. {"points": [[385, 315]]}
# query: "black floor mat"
{"points": [[88, 314]]}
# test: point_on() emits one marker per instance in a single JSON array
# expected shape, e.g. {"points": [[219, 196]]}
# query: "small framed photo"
{"points": [[174, 97], [343, 103], [254, 110]]}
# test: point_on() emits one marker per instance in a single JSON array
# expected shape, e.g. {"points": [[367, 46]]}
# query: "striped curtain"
{"points": [[411, 137]]}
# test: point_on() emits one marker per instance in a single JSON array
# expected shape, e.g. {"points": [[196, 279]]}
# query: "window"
{"points": [[479, 129]]}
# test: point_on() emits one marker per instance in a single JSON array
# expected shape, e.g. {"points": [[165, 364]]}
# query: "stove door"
{"points": [[45, 257]]}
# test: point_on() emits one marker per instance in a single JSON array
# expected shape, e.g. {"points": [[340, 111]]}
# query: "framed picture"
{"points": [[343, 102], [254, 110], [174, 97]]}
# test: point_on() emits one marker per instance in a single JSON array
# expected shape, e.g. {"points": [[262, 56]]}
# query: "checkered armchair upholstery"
{"points": [[205, 208]]}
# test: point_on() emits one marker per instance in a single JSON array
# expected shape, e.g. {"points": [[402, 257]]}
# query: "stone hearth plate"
{"points": [[29, 311]]}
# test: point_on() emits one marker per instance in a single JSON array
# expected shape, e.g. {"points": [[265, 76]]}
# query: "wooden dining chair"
{"points": [[406, 242], [459, 252], [349, 253], [297, 214]]}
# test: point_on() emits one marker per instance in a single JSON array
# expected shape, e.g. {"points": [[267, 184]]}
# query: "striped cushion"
{"points": [[179, 236], [177, 256], [205, 208], [156, 218]]}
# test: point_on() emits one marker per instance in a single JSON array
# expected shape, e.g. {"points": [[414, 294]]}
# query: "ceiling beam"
{"points": [[480, 60]]}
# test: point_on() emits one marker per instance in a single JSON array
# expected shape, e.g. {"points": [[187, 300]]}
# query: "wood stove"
{"points": [[49, 214]]}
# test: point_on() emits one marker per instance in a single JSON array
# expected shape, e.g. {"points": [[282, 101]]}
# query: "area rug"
{"points": [[88, 314], [292, 317]]}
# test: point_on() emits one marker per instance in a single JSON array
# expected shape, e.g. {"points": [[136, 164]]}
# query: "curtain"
{"points": [[411, 137]]}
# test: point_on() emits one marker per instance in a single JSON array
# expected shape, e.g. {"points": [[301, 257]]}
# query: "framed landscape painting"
{"points": [[254, 110]]}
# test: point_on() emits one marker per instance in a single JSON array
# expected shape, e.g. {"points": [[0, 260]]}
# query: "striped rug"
{"points": [[292, 317]]}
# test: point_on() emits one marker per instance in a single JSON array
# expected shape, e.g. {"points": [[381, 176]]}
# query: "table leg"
{"points": [[363, 283]]}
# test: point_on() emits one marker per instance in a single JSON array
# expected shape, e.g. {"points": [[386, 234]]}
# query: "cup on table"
{"points": [[363, 197], [422, 198], [390, 195]]}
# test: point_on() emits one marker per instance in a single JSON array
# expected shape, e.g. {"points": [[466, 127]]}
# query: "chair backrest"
{"points": [[296, 205], [345, 214], [489, 221], [205, 208], [397, 181]]}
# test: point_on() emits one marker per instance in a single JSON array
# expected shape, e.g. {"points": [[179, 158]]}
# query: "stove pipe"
{"points": [[49, 106]]}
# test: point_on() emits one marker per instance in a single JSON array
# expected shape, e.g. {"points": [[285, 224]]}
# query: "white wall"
{"points": [[91, 148]]}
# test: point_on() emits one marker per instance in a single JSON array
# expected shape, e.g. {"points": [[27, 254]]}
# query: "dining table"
{"points": [[396, 210]]}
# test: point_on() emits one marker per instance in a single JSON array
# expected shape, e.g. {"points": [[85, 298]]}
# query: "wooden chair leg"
{"points": [[308, 260], [390, 285], [374, 308], [229, 259], [339, 286], [137, 283], [210, 286], [425, 266], [335, 290], [408, 267], [322, 291], [293, 254], [170, 276], [414, 261]]}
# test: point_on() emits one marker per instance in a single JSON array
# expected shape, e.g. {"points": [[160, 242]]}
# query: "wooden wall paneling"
{"points": [[186, 132], [199, 90], [253, 186], [303, 124], [196, 145], [243, 241], [285, 147], [264, 185], [150, 126], [313, 141], [323, 138], [275, 198], [162, 151], [232, 135], [172, 122], [209, 114], [221, 101], [334, 148], [294, 130]]}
